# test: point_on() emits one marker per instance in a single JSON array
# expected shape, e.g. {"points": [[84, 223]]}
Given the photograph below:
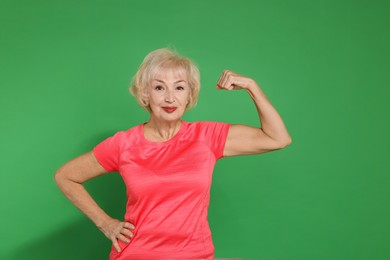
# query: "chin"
{"points": [[169, 117]]}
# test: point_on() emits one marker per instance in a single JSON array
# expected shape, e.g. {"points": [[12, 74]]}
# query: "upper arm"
{"points": [[80, 169], [245, 140]]}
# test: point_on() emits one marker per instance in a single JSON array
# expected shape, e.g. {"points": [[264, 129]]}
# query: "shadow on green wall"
{"points": [[80, 239]]}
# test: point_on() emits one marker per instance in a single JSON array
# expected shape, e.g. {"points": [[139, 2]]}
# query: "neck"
{"points": [[156, 130]]}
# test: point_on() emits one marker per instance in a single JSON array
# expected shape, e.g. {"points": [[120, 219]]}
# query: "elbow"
{"points": [[288, 141], [62, 181], [58, 177], [284, 142]]}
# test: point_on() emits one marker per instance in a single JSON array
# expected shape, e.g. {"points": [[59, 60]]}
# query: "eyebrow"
{"points": [[181, 80]]}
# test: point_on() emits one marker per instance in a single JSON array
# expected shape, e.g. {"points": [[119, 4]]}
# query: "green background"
{"points": [[65, 67]]}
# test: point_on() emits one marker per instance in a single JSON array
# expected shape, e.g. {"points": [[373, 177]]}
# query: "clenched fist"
{"points": [[230, 80]]}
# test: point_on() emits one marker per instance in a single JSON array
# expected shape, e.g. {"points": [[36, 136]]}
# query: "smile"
{"points": [[169, 109]]}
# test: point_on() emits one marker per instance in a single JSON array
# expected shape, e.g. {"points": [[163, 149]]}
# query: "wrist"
{"points": [[103, 222], [253, 88], [251, 85]]}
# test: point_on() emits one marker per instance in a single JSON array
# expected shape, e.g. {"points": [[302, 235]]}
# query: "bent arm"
{"points": [[242, 139], [70, 177]]}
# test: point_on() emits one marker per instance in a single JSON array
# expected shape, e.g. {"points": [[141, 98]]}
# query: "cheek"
{"points": [[185, 98], [155, 98]]}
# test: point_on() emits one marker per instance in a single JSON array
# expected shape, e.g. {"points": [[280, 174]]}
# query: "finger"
{"points": [[128, 225], [229, 83], [116, 245], [229, 80], [222, 79], [225, 78], [219, 85], [123, 238], [127, 232]]}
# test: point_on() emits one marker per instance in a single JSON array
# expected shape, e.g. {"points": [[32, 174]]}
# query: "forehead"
{"points": [[169, 73]]}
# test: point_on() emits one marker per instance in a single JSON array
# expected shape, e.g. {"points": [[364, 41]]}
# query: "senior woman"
{"points": [[167, 163]]}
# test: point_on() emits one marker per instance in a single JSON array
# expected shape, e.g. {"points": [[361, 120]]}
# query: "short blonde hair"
{"points": [[162, 59]]}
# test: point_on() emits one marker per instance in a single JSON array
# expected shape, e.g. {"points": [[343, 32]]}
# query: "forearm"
{"points": [[79, 196], [270, 120], [70, 178]]}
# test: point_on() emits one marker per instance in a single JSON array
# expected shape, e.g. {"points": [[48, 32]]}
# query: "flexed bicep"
{"points": [[245, 140]]}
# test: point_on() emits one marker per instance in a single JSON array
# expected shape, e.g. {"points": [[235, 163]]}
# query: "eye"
{"points": [[158, 87], [180, 88]]}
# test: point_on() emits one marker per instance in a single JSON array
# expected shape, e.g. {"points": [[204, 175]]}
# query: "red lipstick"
{"points": [[169, 109]]}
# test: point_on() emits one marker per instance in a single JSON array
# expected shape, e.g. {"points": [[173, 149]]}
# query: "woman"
{"points": [[167, 163]]}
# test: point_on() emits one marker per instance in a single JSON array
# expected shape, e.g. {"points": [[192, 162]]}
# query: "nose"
{"points": [[169, 97]]}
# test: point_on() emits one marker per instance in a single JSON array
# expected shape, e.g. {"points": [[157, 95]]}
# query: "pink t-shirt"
{"points": [[168, 189]]}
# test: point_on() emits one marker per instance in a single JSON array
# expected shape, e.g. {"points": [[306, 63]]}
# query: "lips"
{"points": [[169, 109]]}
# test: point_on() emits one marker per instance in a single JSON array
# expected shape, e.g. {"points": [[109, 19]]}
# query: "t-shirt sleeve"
{"points": [[215, 134], [108, 152]]}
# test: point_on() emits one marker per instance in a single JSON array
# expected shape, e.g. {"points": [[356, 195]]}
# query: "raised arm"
{"points": [[70, 178], [242, 139]]}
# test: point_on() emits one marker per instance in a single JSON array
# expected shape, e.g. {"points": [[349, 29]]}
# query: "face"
{"points": [[169, 93]]}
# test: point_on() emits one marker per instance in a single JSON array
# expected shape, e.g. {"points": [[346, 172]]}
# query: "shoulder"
{"points": [[127, 132], [208, 127], [125, 136], [211, 135], [207, 124]]}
